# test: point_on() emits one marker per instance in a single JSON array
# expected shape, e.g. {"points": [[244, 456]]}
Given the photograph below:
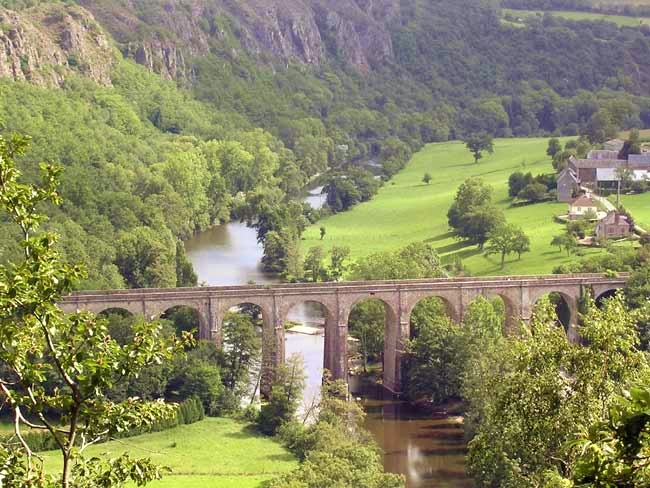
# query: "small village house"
{"points": [[568, 186], [613, 226], [581, 206]]}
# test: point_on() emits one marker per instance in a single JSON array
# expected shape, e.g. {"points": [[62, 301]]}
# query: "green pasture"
{"points": [[216, 452], [639, 207], [406, 210], [621, 20]]}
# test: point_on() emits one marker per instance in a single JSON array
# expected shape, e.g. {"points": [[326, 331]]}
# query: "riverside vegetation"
{"points": [[236, 132]]}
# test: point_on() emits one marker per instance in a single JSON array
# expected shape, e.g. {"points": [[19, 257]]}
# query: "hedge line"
{"points": [[189, 411]]}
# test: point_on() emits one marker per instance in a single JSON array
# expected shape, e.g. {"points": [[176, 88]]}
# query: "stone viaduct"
{"points": [[519, 294]]}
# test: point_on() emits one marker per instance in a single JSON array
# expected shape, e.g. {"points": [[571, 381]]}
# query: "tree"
{"points": [[517, 181], [539, 390], [533, 192], [241, 352], [426, 179], [338, 265], [507, 239], [554, 146], [477, 143], [63, 363], [313, 266], [566, 241], [471, 216], [286, 392]]}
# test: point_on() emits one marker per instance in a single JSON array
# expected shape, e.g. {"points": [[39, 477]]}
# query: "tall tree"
{"points": [[478, 143], [471, 215], [64, 363], [506, 239]]}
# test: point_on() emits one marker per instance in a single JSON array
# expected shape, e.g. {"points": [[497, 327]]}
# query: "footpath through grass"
{"points": [[407, 210], [216, 452]]}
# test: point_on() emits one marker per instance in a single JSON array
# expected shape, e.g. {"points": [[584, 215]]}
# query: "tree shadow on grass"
{"points": [[457, 246], [440, 237], [284, 457], [245, 432]]}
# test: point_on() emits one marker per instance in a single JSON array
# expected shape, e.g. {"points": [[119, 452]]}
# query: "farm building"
{"points": [[613, 225]]}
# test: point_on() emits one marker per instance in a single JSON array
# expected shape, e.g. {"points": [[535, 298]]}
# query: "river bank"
{"points": [[428, 448]]}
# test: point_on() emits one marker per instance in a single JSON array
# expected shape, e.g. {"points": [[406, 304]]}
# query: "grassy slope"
{"points": [[216, 452], [406, 210], [621, 20], [639, 207]]}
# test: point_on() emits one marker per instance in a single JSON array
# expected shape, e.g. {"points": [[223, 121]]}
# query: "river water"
{"points": [[427, 448]]}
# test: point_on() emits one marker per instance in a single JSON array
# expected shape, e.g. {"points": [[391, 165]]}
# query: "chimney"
{"points": [[616, 217]]}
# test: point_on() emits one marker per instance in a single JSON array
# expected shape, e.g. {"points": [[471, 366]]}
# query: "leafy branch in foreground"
{"points": [[55, 368]]}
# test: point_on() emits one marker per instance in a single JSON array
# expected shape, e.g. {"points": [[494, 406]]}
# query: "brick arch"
{"points": [[328, 305], [599, 292], [265, 305], [135, 308], [570, 297], [512, 309], [119, 309], [349, 301], [451, 299], [452, 311]]}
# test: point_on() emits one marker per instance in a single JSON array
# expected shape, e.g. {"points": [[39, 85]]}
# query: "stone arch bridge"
{"points": [[519, 294]]}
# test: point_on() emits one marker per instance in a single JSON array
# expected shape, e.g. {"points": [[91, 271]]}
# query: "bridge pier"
{"points": [[399, 297], [272, 349]]}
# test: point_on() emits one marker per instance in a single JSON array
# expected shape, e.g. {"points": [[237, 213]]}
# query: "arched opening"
{"points": [[183, 319], [120, 323], [606, 295], [564, 309], [241, 357], [308, 327], [428, 365], [429, 310], [374, 331], [366, 327]]}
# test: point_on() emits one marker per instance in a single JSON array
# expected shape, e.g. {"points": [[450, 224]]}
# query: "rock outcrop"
{"points": [[46, 43], [300, 30]]}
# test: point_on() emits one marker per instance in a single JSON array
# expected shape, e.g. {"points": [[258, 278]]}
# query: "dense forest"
{"points": [[237, 131]]}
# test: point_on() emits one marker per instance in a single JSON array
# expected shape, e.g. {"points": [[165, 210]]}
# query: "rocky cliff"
{"points": [[168, 33], [44, 44]]}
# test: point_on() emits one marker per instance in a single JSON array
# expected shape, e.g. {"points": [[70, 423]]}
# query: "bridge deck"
{"points": [[349, 286]]}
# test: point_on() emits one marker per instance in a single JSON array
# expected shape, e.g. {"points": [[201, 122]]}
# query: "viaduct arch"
{"points": [[519, 294]]}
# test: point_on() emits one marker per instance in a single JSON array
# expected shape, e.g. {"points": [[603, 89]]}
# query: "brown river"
{"points": [[427, 448]]}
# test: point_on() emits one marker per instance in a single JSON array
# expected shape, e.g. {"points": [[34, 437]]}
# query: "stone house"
{"points": [[582, 205], [613, 225], [568, 186]]}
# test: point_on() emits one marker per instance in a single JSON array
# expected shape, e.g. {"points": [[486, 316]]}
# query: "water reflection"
{"points": [[315, 198], [227, 255], [429, 449]]}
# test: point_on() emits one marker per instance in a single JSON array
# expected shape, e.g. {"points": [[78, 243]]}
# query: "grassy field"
{"points": [[621, 20], [406, 210], [216, 452], [639, 207]]}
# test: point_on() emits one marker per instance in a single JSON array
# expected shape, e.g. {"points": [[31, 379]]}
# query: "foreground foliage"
{"points": [[335, 451], [56, 368]]}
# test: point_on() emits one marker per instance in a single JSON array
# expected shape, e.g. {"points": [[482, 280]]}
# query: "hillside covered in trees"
{"points": [[170, 117]]}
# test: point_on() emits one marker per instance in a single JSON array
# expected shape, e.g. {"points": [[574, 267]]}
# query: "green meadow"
{"points": [[621, 20], [216, 452], [639, 207], [407, 210]]}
